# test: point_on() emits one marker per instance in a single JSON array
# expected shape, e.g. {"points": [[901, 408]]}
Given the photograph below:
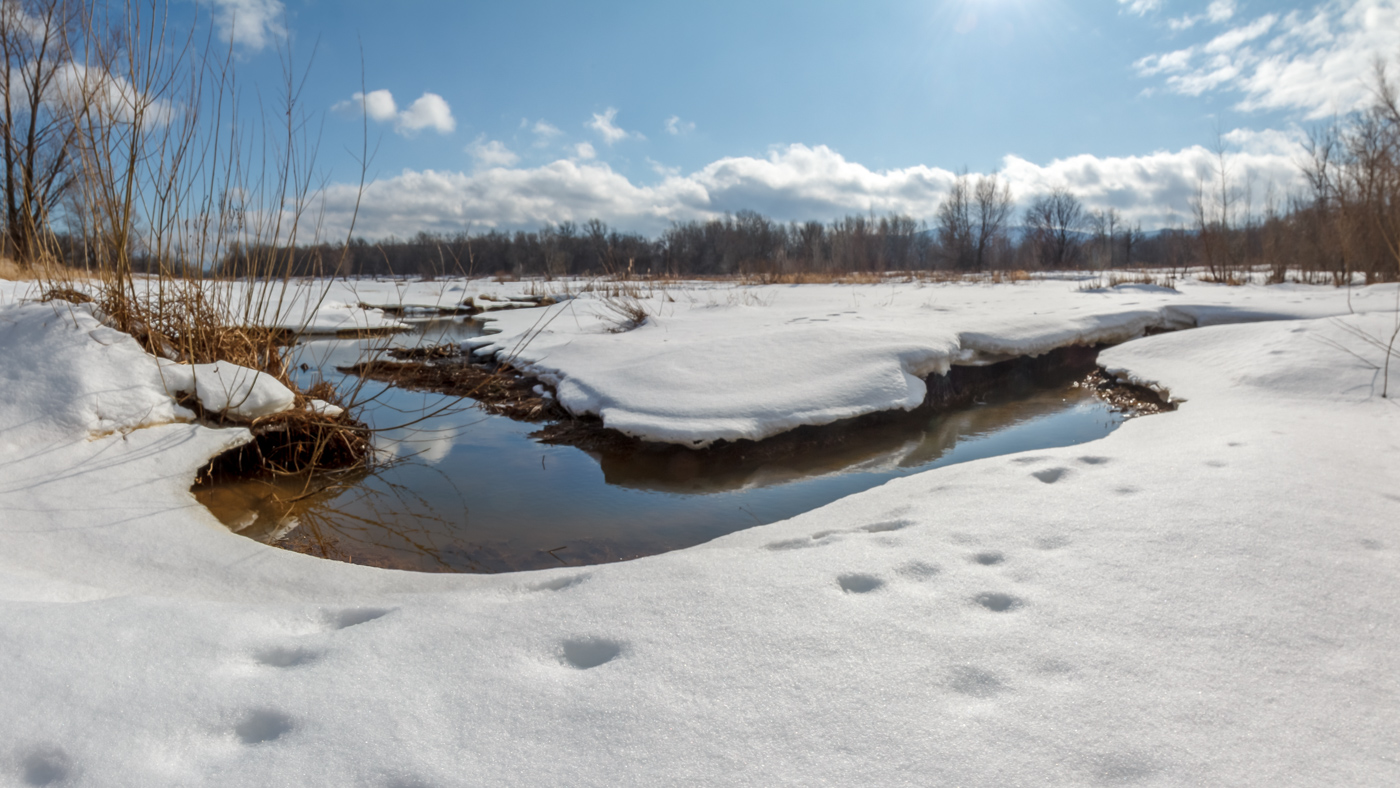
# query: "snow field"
{"points": [[1202, 597]]}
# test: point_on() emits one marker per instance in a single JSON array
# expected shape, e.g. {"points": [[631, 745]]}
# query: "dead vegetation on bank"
{"points": [[129, 178], [498, 389]]}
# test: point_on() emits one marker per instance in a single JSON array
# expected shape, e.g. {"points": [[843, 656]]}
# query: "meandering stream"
{"points": [[471, 492]]}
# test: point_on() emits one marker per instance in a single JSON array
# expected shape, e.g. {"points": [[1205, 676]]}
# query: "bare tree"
{"points": [[992, 199], [1054, 222], [41, 87], [954, 226], [1132, 235]]}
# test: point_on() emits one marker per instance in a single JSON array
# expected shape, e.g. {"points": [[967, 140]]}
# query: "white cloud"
{"points": [[585, 151], [428, 111], [377, 104], [1218, 12], [792, 183], [254, 24], [1141, 7], [675, 126], [604, 124], [1315, 62], [72, 86], [491, 153], [662, 170], [544, 132]]}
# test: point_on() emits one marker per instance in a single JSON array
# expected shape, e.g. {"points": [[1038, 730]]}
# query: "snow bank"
{"points": [[714, 363], [66, 374]]}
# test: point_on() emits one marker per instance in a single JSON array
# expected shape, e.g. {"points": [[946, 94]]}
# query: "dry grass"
{"points": [[1116, 278], [38, 271], [624, 312], [1012, 277]]}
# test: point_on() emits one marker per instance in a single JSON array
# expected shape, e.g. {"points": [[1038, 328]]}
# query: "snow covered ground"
{"points": [[1205, 597], [751, 362]]}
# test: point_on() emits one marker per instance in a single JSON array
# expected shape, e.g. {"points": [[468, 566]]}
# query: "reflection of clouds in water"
{"points": [[427, 447]]}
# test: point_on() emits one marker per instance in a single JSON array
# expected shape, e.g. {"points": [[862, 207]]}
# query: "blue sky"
{"points": [[641, 113]]}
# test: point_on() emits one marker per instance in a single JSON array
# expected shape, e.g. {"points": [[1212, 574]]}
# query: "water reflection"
{"points": [[472, 492], [889, 449]]}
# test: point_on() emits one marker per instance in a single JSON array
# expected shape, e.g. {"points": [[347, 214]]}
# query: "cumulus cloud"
{"points": [[428, 111], [1315, 62], [377, 104], [605, 124], [253, 24], [676, 127], [491, 153], [73, 86], [796, 182], [1156, 189], [585, 151]]}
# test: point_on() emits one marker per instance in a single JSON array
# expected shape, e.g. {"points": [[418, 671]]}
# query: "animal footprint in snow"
{"points": [[1051, 475], [45, 766], [918, 571], [1094, 460], [975, 682], [585, 653], [815, 539], [263, 725], [859, 584], [281, 657], [998, 603], [989, 558], [352, 617], [889, 525], [559, 583]]}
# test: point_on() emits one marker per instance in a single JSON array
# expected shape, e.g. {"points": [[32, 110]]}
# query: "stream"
{"points": [[472, 492]]}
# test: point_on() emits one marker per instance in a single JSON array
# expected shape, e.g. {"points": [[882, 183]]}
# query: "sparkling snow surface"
{"points": [[1204, 597]]}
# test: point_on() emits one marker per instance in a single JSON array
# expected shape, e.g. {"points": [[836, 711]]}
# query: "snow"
{"points": [[784, 356], [1204, 597], [234, 392], [324, 408]]}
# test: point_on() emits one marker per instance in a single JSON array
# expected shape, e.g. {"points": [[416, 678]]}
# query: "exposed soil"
{"points": [[499, 389], [432, 353], [1126, 398]]}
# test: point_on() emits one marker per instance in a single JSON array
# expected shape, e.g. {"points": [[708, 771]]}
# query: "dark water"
{"points": [[471, 492]]}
